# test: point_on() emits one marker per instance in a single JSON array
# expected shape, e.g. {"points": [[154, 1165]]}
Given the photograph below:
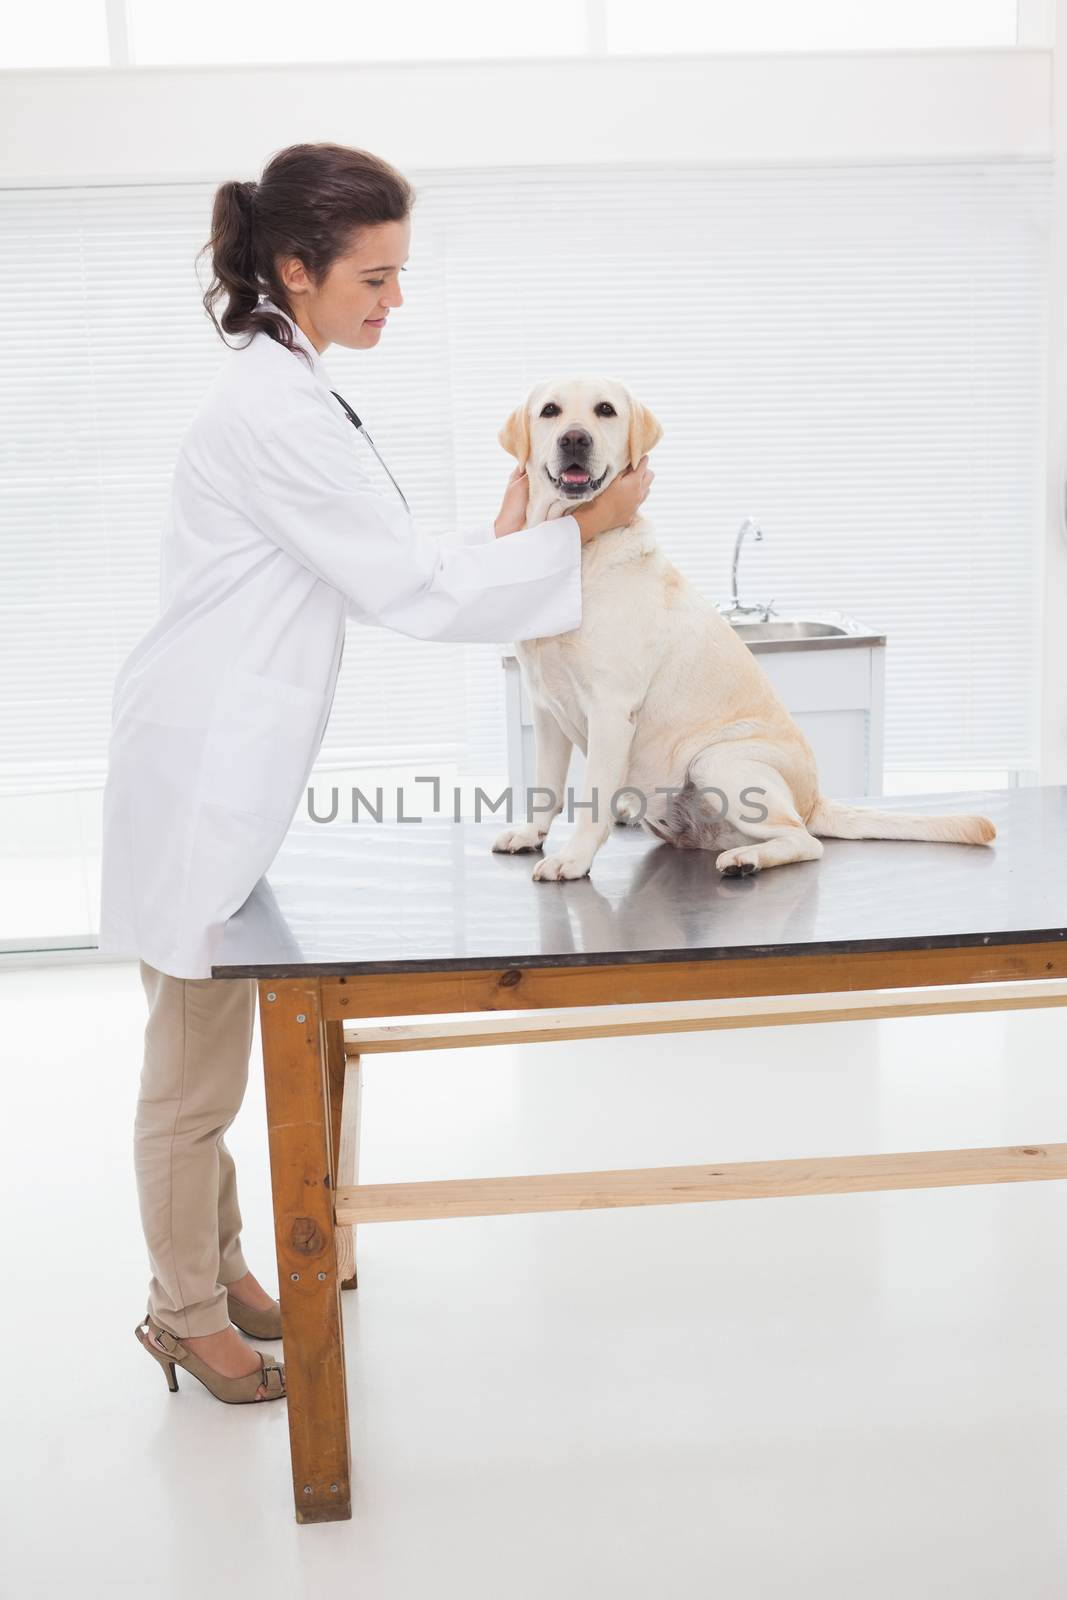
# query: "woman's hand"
{"points": [[618, 504], [614, 507], [512, 515]]}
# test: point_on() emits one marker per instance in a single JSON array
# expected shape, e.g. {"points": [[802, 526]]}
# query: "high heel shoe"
{"points": [[251, 1320], [171, 1353]]}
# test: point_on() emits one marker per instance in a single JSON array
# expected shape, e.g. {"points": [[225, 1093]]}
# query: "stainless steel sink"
{"points": [[828, 630], [789, 630]]}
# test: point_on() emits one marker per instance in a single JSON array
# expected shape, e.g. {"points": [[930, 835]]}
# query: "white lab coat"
{"points": [[277, 531]]}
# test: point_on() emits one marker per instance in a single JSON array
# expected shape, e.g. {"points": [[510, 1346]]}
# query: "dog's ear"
{"points": [[515, 435], [645, 431]]}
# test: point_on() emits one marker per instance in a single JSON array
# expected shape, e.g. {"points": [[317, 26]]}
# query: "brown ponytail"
{"points": [[312, 201]]}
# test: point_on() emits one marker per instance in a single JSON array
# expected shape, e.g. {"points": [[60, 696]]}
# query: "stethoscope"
{"points": [[358, 424]]}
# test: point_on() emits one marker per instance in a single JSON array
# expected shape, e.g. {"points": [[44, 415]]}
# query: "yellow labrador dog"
{"points": [[655, 688]]}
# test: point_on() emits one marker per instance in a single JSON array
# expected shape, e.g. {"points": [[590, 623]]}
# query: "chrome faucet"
{"points": [[735, 608]]}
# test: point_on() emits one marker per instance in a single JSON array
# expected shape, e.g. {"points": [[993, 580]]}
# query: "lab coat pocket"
{"points": [[261, 741]]}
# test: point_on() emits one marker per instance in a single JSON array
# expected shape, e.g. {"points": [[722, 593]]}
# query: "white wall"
{"points": [[121, 124], [1053, 621]]}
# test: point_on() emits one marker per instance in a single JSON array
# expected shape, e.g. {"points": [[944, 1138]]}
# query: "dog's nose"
{"points": [[575, 439]]}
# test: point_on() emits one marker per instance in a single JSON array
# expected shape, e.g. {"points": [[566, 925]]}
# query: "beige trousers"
{"points": [[196, 1048]]}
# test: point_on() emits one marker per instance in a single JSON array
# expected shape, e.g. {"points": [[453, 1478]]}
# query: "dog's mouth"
{"points": [[575, 480]]}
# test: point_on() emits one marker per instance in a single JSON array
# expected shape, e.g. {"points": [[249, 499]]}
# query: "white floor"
{"points": [[839, 1396]]}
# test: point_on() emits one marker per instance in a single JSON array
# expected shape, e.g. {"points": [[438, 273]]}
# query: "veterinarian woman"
{"points": [[280, 527]]}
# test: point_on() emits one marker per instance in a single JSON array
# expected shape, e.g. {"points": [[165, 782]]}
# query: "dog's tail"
{"points": [[832, 820]]}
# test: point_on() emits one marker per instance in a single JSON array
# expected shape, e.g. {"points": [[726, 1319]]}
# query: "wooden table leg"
{"points": [[302, 1179], [345, 1082]]}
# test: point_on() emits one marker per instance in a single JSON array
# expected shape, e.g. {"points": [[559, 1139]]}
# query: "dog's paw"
{"points": [[527, 837], [561, 866], [737, 863]]}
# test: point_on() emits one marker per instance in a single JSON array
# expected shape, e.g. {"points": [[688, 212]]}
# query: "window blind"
{"points": [[853, 356]]}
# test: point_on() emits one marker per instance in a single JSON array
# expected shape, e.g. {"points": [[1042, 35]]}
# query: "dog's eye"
{"points": [[604, 408], [550, 409]]}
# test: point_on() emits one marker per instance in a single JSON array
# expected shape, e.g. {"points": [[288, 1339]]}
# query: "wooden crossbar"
{"points": [[657, 1186], [680, 1016], [581, 1191]]}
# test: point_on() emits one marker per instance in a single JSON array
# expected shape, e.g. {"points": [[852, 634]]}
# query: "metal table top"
{"points": [[369, 897]]}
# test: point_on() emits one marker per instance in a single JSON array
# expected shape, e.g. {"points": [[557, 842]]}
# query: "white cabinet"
{"points": [[835, 696], [833, 687]]}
